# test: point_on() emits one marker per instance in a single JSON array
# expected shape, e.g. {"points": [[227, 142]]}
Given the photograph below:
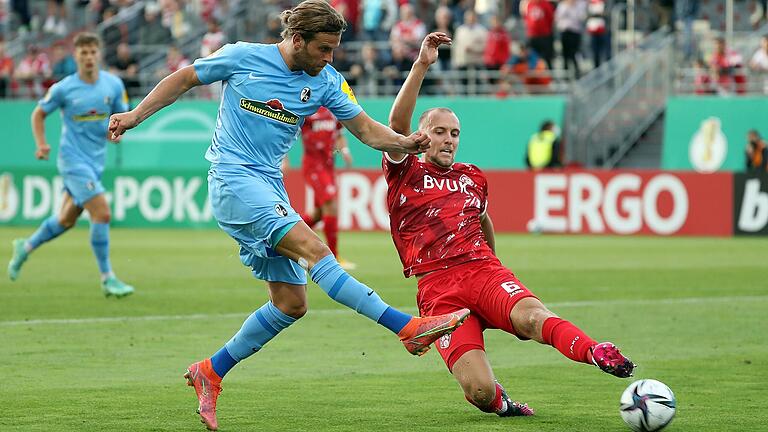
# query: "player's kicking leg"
{"points": [[51, 228], [100, 216], [302, 245], [532, 320]]}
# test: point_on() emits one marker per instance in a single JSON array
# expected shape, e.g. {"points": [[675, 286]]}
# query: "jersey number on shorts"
{"points": [[511, 287]]}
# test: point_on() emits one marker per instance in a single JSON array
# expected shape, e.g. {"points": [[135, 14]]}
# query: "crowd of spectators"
{"points": [[509, 47]]}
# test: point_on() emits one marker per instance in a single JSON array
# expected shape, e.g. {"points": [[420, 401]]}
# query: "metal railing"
{"points": [[612, 106]]}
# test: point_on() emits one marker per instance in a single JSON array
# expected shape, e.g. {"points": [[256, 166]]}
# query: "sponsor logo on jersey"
{"points": [[306, 92], [446, 184], [91, 115], [348, 91], [271, 109], [280, 210]]}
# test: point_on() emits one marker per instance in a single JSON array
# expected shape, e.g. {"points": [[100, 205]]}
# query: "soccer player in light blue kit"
{"points": [[86, 99], [268, 91]]}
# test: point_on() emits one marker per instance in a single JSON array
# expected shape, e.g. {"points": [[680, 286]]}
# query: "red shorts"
{"points": [[486, 287], [323, 183]]}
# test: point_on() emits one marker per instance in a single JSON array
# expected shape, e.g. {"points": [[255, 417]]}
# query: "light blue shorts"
{"points": [[82, 184], [255, 211]]}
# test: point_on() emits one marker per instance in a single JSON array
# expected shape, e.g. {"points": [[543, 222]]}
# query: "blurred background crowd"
{"points": [[500, 47]]}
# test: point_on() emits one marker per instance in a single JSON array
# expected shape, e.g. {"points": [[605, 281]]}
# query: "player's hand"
{"points": [[114, 139], [43, 151], [414, 143], [428, 52], [121, 122]]}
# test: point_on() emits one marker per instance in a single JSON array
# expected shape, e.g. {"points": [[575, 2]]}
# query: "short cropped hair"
{"points": [[425, 115], [311, 17], [87, 38]]}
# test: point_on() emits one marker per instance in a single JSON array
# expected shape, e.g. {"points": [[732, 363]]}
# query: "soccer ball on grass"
{"points": [[647, 405]]}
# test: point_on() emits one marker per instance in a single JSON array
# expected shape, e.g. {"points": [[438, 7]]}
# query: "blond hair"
{"points": [[311, 17]]}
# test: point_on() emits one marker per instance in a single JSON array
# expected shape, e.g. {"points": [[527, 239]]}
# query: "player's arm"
{"points": [[382, 138], [42, 149], [486, 225], [165, 93], [402, 110], [341, 147]]}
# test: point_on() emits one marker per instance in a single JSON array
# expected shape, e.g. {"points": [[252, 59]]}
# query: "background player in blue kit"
{"points": [[268, 91], [86, 99]]}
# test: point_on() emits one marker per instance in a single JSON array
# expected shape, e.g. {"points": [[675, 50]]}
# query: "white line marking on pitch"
{"points": [[575, 304]]}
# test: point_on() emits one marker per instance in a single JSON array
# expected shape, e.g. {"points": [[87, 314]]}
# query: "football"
{"points": [[647, 405]]}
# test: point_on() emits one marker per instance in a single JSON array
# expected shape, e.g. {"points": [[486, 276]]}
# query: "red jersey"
{"points": [[318, 135], [434, 214], [539, 18]]}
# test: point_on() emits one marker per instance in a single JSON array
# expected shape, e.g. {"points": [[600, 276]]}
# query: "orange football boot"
{"points": [[207, 385], [420, 332]]}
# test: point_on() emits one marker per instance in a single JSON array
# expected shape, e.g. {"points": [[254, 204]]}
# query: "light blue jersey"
{"points": [[264, 104], [262, 109], [85, 110]]}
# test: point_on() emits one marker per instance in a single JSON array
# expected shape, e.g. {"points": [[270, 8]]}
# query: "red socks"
{"points": [[568, 339], [495, 406], [331, 228]]}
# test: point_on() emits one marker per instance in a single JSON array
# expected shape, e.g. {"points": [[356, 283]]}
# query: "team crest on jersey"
{"points": [[445, 341], [280, 210], [306, 92], [466, 180], [271, 109]]}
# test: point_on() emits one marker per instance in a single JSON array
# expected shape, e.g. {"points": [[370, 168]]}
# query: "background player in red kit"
{"points": [[322, 137], [444, 236]]}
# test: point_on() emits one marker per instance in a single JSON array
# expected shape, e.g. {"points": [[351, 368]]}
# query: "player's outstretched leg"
{"points": [[533, 320], [416, 333], [110, 284], [48, 230]]}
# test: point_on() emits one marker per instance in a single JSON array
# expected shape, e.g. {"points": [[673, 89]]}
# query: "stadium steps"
{"points": [[646, 152]]}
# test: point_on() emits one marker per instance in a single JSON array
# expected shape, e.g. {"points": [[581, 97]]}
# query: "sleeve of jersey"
{"points": [[53, 99], [219, 65], [393, 168], [120, 101], [341, 99]]}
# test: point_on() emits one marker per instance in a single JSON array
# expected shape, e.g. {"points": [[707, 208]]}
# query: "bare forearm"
{"points": [[402, 110], [486, 225], [378, 136], [38, 127], [167, 91]]}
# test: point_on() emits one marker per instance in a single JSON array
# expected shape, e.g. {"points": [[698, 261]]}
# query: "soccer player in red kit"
{"points": [[322, 137], [444, 236]]}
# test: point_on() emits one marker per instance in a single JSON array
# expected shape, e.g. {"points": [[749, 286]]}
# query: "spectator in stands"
{"points": [[409, 31], [213, 39], [350, 10], [687, 11], [663, 11], [468, 47], [30, 73], [6, 72], [127, 68], [55, 21], [274, 28], [702, 81], [443, 24], [175, 19], [153, 32], [21, 7], [727, 68], [599, 33], [544, 148], [400, 63], [527, 69], [497, 45], [174, 61], [378, 18], [112, 35], [539, 18], [759, 62], [367, 72], [570, 16], [63, 62], [757, 152], [342, 63]]}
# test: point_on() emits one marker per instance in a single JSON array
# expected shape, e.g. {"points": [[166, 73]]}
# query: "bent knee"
{"points": [[67, 223], [482, 395], [529, 319], [294, 310], [104, 217]]}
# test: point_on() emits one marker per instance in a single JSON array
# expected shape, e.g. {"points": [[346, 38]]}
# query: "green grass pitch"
{"points": [[692, 312]]}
